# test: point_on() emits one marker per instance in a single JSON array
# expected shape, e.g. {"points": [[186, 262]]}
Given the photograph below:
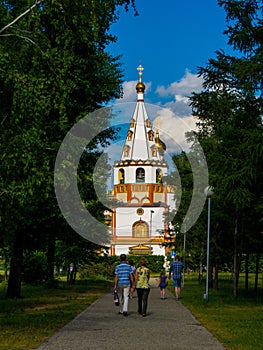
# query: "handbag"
{"points": [[116, 298]]}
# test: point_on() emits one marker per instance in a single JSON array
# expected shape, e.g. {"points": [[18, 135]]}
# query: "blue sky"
{"points": [[170, 38]]}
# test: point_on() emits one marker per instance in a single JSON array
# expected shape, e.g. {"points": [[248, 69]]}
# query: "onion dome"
{"points": [[159, 143], [140, 87]]}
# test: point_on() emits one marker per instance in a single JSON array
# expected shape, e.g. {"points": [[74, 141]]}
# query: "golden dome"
{"points": [[159, 143], [140, 87]]}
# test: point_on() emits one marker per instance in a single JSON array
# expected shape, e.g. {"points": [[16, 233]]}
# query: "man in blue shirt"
{"points": [[123, 279], [176, 269]]}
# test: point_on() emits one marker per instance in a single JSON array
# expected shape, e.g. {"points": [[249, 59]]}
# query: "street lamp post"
{"points": [[183, 230], [184, 257], [151, 224], [208, 192]]}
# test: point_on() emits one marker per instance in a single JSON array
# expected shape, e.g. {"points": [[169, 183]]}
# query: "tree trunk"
{"points": [[50, 258], [200, 275], [257, 272], [246, 273], [216, 277], [16, 264], [235, 267], [6, 267], [210, 276]]}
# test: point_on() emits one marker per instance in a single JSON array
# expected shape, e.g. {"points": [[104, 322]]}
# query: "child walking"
{"points": [[163, 282]]}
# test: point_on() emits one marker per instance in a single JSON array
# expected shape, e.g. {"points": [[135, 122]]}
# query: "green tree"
{"points": [[229, 113], [54, 70]]}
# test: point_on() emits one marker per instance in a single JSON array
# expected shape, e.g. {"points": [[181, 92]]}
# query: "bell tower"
{"points": [[142, 196]]}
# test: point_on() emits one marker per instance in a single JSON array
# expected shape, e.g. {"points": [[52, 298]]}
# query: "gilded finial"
{"points": [[140, 70], [140, 87]]}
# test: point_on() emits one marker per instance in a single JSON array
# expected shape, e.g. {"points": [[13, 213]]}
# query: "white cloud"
{"points": [[176, 117], [188, 84], [180, 92], [173, 129], [172, 114], [129, 90]]}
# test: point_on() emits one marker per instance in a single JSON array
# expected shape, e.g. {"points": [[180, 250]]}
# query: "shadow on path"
{"points": [[168, 325]]}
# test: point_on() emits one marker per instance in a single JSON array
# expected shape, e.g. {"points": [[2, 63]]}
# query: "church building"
{"points": [[139, 219]]}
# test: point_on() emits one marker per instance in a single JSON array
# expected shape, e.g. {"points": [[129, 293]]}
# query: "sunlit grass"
{"points": [[237, 323], [28, 322]]}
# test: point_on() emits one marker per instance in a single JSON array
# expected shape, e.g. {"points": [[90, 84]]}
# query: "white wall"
{"points": [[126, 216]]}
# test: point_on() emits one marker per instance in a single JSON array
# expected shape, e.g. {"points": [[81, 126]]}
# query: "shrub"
{"points": [[34, 267]]}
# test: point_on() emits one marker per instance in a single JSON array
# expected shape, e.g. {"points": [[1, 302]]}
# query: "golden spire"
{"points": [[140, 87]]}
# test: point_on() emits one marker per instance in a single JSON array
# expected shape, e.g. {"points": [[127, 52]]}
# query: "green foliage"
{"points": [[54, 70], [104, 266], [153, 262], [251, 264], [95, 271], [34, 267], [229, 117]]}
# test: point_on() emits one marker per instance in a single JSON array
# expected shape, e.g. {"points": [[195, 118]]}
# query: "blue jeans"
{"points": [[142, 294]]}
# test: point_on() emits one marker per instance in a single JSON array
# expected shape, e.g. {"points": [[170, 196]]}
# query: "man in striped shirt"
{"points": [[124, 277]]}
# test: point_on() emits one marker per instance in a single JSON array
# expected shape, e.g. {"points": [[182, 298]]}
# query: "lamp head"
{"points": [[209, 191]]}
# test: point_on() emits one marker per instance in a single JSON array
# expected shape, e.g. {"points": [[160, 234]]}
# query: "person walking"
{"points": [[176, 269], [163, 282], [132, 289], [142, 276], [124, 277]]}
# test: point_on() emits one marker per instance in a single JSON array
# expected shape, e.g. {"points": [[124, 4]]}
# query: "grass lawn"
{"points": [[238, 324], [28, 322]]}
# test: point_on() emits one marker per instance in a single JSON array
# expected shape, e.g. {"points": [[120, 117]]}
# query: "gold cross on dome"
{"points": [[140, 70], [157, 123]]}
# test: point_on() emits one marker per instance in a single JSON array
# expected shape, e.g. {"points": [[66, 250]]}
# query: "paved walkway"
{"points": [[168, 325]]}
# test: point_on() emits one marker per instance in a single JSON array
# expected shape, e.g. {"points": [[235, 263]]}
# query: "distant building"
{"points": [[138, 221]]}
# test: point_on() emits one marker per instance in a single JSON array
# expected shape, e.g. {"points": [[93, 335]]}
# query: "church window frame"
{"points": [[154, 151], [126, 151], [159, 176], [129, 135], [140, 175], [121, 176], [140, 229]]}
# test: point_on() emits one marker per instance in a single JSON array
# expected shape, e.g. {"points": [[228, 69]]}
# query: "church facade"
{"points": [[139, 219]]}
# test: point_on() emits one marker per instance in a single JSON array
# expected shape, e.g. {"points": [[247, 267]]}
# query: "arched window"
{"points": [[129, 135], [150, 135], [126, 151], [140, 229], [135, 200], [121, 176], [145, 200], [132, 123], [159, 176], [140, 175], [148, 123], [154, 151]]}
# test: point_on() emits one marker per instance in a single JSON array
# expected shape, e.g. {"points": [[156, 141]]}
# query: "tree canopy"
{"points": [[54, 70], [229, 116]]}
